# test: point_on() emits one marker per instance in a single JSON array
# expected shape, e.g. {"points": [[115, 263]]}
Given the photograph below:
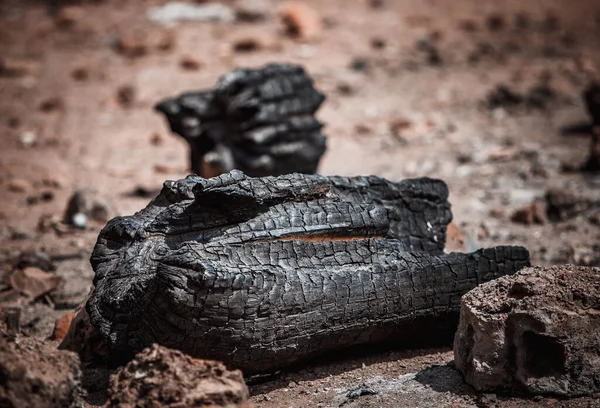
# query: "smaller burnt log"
{"points": [[592, 101], [261, 273], [260, 121]]}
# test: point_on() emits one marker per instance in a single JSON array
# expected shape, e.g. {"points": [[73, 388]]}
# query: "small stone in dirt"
{"points": [[175, 11], [38, 259], [159, 376], [563, 204], [79, 220], [28, 138], [87, 203], [126, 96], [190, 63], [376, 4], [16, 68], [302, 21], [34, 282], [468, 26], [18, 186], [35, 374], [533, 213], [61, 326], [67, 17], [502, 97], [378, 43], [156, 139], [51, 104], [247, 44], [495, 22], [80, 74], [132, 45], [252, 11], [360, 64], [360, 391], [43, 197]]}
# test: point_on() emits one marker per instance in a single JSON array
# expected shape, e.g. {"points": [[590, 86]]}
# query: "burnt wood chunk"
{"points": [[261, 273], [260, 121]]}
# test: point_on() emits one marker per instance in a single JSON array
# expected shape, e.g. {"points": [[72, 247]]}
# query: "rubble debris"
{"points": [[533, 213], [360, 64], [35, 374], [176, 11], [563, 204], [34, 282], [534, 331], [190, 63], [18, 185], [301, 20], [16, 68], [260, 121], [84, 204], [126, 96], [166, 377], [283, 239], [252, 11], [61, 326], [359, 392], [11, 318], [247, 44]]}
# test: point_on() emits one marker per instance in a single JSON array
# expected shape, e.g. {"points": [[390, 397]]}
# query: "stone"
{"points": [[537, 331], [35, 374], [302, 21], [159, 376], [34, 282], [86, 204], [533, 213]]}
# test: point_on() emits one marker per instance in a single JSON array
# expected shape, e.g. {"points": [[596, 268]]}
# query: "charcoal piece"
{"points": [[260, 121], [591, 97], [265, 272]]}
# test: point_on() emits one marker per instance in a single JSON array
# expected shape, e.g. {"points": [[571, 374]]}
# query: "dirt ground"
{"points": [[412, 90]]}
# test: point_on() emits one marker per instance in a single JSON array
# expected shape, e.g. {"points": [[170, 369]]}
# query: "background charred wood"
{"points": [[264, 272], [260, 121]]}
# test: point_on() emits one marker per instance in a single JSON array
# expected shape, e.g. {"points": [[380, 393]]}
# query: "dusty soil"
{"points": [[485, 95]]}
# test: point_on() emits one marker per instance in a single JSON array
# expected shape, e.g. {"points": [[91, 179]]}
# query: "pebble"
{"points": [[79, 220], [302, 21]]}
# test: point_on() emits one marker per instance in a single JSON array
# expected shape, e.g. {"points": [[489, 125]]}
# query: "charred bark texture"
{"points": [[264, 272], [260, 121]]}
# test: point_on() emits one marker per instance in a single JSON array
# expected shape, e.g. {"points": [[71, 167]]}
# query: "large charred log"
{"points": [[264, 272], [260, 121]]}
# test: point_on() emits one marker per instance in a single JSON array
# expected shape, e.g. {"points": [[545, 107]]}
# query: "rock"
{"points": [[251, 11], [61, 326], [302, 21], [28, 138], [67, 17], [175, 11], [247, 44], [132, 45], [90, 204], [536, 331], [126, 96], [190, 63], [18, 185], [533, 213], [159, 376], [563, 204], [51, 104], [16, 68], [34, 282], [35, 374], [80, 74]]}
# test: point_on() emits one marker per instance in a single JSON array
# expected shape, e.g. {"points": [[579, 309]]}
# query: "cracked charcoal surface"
{"points": [[264, 272], [260, 121]]}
